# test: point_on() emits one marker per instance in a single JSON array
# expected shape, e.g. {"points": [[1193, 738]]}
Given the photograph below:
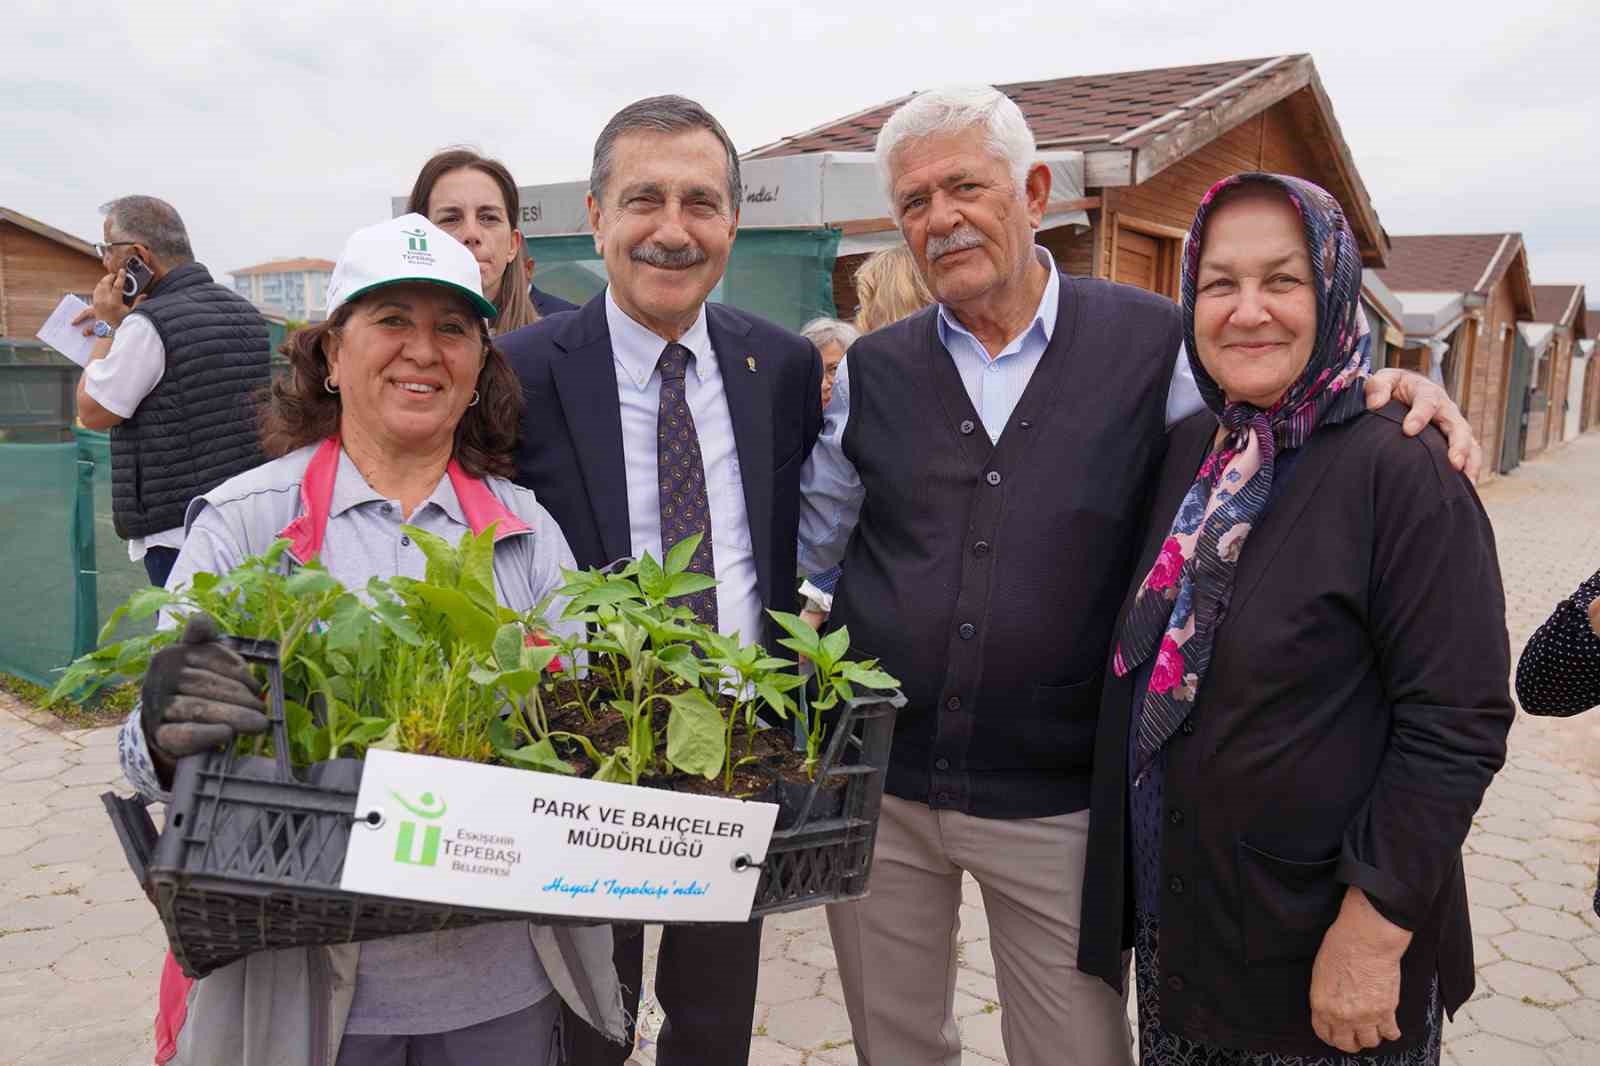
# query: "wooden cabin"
{"points": [[38, 265], [1562, 308], [1471, 290], [1153, 142]]}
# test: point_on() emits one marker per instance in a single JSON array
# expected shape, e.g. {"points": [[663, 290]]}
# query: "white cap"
{"points": [[408, 248]]}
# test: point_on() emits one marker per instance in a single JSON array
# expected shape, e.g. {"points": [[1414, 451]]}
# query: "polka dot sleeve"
{"points": [[1559, 672]]}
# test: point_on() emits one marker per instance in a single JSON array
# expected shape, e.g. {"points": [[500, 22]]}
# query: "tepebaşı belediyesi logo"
{"points": [[416, 252], [407, 848], [466, 852]]}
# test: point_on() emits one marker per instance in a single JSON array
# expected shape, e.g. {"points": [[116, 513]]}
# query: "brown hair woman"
{"points": [[474, 199]]}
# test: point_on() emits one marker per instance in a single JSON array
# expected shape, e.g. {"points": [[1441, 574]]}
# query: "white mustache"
{"points": [[957, 241]]}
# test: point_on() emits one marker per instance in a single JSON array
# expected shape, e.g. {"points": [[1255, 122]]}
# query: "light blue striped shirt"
{"points": [[995, 383], [830, 488]]}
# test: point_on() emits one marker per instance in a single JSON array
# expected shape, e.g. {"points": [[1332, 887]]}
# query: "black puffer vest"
{"points": [[197, 427]]}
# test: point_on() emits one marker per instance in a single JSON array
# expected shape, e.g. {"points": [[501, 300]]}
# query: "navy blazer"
{"points": [[570, 453], [548, 304]]}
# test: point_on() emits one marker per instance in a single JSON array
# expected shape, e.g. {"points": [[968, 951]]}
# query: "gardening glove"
{"points": [[197, 695]]}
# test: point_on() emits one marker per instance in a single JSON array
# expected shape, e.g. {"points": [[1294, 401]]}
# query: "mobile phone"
{"points": [[136, 278]]}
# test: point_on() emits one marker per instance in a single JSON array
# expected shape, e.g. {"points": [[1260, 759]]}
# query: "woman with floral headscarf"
{"points": [[1309, 692]]}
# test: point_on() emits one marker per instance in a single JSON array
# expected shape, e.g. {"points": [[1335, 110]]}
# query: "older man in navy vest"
{"points": [[174, 377], [980, 472]]}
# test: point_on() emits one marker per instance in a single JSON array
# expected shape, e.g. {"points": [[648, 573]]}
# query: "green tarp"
{"points": [[65, 569]]}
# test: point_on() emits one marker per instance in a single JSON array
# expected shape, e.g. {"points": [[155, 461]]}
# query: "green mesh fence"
{"points": [[785, 276], [64, 567]]}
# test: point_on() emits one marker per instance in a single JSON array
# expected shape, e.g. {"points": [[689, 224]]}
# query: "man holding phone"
{"points": [[174, 377]]}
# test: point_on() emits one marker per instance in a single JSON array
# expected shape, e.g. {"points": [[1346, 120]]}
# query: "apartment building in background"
{"points": [[294, 288]]}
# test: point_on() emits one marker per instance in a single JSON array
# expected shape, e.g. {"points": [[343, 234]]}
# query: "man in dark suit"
{"points": [[545, 303], [653, 416]]}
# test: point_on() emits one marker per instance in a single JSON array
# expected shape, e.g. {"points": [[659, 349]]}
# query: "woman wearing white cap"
{"points": [[398, 409]]}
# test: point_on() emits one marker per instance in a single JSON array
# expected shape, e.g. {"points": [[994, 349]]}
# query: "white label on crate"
{"points": [[493, 836]]}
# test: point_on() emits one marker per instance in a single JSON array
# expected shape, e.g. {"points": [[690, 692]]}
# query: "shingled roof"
{"points": [[1132, 125], [1471, 263], [1559, 304], [1453, 262], [1065, 112]]}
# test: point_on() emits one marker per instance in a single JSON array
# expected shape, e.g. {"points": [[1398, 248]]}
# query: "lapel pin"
{"points": [[750, 361]]}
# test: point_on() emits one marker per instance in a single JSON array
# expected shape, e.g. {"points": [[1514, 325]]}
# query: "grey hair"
{"points": [[955, 110], [661, 114], [154, 224], [825, 331]]}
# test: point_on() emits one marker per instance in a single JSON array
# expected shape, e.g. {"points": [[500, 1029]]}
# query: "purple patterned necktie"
{"points": [[681, 477]]}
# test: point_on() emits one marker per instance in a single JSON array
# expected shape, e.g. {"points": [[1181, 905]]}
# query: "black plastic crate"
{"points": [[251, 855]]}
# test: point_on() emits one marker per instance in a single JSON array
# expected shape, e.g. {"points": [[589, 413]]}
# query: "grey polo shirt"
{"points": [[428, 982]]}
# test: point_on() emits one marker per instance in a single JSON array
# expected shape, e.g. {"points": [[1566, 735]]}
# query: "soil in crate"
{"points": [[774, 773]]}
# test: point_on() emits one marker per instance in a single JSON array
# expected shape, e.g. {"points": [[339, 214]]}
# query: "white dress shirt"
{"points": [[830, 488], [130, 371], [636, 351]]}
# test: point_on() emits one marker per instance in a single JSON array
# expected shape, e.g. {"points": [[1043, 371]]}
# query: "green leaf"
{"points": [[390, 741], [508, 646], [468, 622], [539, 756], [517, 682], [308, 583], [679, 661], [867, 677], [146, 602], [681, 553], [684, 584], [394, 616], [538, 657], [477, 568], [833, 647], [501, 735], [611, 769], [808, 643], [773, 696], [365, 733], [695, 740], [619, 592], [444, 562], [652, 581]]}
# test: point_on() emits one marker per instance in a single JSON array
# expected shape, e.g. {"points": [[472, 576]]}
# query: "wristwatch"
{"points": [[104, 329]]}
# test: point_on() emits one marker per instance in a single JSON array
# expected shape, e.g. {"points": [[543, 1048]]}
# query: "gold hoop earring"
{"points": [[327, 383]]}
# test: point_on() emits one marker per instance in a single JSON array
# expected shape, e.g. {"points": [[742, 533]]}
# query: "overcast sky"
{"points": [[278, 128]]}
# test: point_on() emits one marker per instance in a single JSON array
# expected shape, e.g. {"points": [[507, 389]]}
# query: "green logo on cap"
{"points": [[406, 848], [417, 240]]}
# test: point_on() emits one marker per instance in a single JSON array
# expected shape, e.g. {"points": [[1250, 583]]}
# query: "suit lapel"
{"points": [[749, 394], [586, 382]]}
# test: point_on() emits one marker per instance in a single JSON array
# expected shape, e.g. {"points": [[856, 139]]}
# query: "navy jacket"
{"points": [[1355, 709], [570, 453], [547, 304]]}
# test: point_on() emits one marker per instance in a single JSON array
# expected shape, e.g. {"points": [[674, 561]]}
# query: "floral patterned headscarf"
{"points": [[1185, 596]]}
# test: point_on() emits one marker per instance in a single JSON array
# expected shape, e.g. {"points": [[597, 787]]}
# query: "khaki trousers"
{"points": [[897, 948]]}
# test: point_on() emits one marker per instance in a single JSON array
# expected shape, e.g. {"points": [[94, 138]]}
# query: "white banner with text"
{"points": [[509, 839]]}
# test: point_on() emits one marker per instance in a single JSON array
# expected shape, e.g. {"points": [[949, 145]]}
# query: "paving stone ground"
{"points": [[80, 948]]}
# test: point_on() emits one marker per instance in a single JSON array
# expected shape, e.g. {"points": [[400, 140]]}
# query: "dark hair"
{"points": [[661, 114], [299, 411], [514, 302], [154, 224]]}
